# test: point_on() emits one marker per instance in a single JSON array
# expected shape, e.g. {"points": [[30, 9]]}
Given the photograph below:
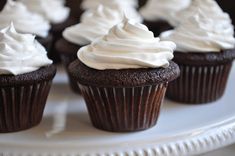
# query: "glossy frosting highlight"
{"points": [[20, 53], [24, 20], [201, 33], [128, 45], [94, 23], [53, 10]]}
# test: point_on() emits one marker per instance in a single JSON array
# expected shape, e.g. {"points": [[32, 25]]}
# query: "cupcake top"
{"points": [[53, 10], [201, 33], [24, 20], [126, 6], [128, 45], [156, 10], [94, 23], [20, 53], [208, 7]]}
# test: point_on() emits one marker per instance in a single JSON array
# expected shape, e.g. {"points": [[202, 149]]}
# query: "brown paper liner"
{"points": [[124, 109], [66, 60], [199, 84], [21, 107]]}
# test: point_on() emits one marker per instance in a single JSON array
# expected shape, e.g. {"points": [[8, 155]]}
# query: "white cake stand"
{"points": [[182, 130]]}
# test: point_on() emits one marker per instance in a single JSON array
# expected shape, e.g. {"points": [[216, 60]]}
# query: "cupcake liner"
{"points": [[124, 109], [66, 60], [21, 106], [199, 84]]}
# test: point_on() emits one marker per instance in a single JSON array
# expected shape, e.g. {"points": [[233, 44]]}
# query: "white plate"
{"points": [[226, 151], [182, 130]]}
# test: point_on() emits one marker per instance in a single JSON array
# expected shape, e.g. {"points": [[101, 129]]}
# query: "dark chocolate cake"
{"points": [[122, 78]]}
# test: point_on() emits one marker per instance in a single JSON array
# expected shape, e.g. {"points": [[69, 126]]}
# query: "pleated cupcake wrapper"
{"points": [[199, 84], [66, 60], [124, 109], [21, 107]]}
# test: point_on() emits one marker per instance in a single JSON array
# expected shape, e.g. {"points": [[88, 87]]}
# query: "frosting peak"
{"points": [[127, 45], [24, 21], [53, 10], [20, 53], [200, 33], [94, 23]]}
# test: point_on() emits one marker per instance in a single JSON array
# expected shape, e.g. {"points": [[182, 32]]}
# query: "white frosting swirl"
{"points": [[209, 7], [53, 10], [126, 6], [165, 10], [201, 33], [24, 20], [94, 23], [92, 4], [128, 45], [20, 53]]}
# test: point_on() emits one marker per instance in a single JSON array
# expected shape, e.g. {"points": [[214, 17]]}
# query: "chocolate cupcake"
{"points": [[26, 22], [94, 24], [159, 15], [25, 79], [205, 51], [123, 77], [59, 18]]}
